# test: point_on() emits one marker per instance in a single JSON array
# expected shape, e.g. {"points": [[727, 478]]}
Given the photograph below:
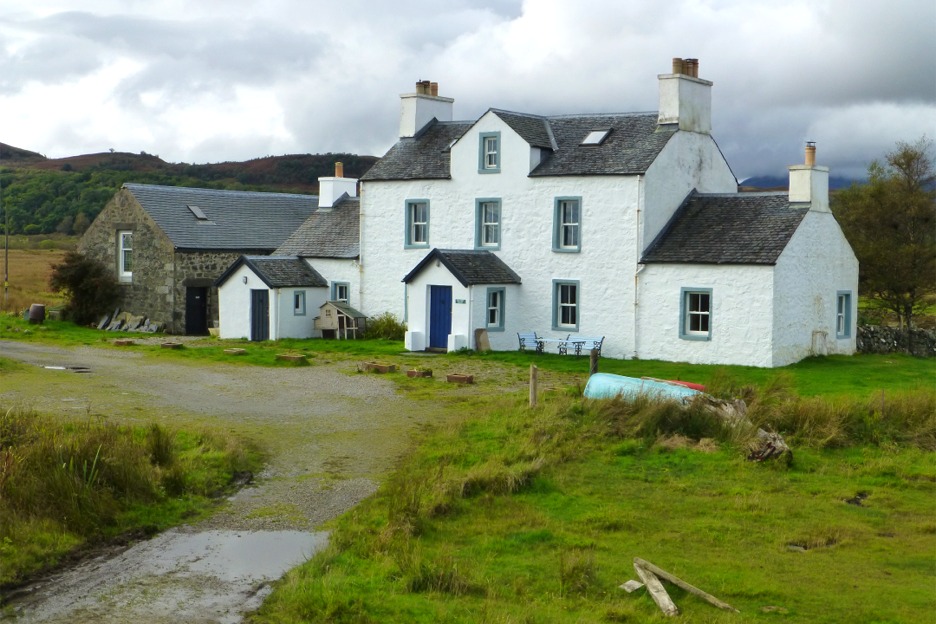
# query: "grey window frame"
{"points": [[558, 305], [481, 225], [489, 161], [687, 313], [561, 226], [299, 303], [411, 240], [500, 308], [843, 314]]}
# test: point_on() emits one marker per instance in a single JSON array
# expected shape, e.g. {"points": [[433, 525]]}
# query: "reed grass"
{"points": [[67, 483]]}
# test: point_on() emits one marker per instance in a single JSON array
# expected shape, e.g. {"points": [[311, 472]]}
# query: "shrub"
{"points": [[386, 326], [90, 288]]}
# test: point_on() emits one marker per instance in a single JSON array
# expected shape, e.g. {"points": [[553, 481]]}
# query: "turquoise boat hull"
{"points": [[608, 386]]}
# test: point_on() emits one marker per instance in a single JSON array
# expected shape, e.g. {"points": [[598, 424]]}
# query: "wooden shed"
{"points": [[337, 319]]}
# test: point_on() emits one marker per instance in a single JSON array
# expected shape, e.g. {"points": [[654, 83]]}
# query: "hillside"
{"points": [[45, 195]]}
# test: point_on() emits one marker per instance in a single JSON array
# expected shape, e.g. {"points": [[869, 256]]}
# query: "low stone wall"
{"points": [[878, 339]]}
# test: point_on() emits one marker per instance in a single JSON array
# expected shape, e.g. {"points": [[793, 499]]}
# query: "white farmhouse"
{"points": [[280, 296], [623, 226]]}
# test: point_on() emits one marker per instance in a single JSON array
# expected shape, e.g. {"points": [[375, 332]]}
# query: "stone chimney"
{"points": [[331, 189], [686, 99], [419, 108], [809, 183]]}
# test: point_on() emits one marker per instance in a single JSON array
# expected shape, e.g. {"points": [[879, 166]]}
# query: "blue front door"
{"points": [[440, 316]]}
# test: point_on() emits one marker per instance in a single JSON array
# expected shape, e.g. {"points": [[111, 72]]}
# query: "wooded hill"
{"points": [[43, 195]]}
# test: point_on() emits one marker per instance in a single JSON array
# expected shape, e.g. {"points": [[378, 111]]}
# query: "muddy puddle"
{"points": [[178, 576]]}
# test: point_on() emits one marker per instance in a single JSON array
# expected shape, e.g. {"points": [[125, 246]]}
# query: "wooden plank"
{"points": [[675, 580], [657, 591], [631, 586]]}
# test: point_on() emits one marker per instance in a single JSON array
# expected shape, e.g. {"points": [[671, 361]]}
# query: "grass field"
{"points": [[29, 271], [520, 515], [535, 516]]}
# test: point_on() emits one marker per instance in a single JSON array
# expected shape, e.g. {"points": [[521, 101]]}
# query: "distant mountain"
{"points": [[44, 195], [781, 183]]}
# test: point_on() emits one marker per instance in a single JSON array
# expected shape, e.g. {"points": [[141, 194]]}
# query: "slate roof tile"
{"points": [[236, 220], [423, 157], [735, 228], [327, 233], [278, 271], [633, 144], [469, 266]]}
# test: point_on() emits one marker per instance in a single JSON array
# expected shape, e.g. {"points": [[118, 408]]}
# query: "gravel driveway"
{"points": [[331, 435]]}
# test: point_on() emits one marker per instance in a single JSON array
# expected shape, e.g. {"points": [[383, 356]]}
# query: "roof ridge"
{"points": [[199, 189]]}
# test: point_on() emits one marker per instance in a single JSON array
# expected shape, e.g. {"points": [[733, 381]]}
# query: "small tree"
{"points": [[90, 289], [891, 225]]}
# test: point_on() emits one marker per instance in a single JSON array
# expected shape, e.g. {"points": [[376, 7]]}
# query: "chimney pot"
{"points": [[693, 67], [339, 169], [677, 65], [810, 153], [434, 88]]}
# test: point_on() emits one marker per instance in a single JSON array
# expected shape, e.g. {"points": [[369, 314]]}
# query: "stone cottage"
{"points": [[168, 245]]}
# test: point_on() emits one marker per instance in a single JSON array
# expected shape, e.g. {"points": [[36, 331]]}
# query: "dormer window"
{"points": [[489, 157], [596, 137]]}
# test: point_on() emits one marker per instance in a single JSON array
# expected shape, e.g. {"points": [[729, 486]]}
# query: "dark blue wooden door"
{"points": [[259, 315], [440, 316]]}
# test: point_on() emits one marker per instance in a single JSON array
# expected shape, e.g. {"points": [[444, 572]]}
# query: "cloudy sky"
{"points": [[218, 80]]}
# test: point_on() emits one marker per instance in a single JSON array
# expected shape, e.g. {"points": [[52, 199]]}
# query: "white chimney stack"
{"points": [[809, 183], [418, 109], [686, 99], [331, 189]]}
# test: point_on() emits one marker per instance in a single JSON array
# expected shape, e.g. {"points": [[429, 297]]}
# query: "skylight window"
{"points": [[199, 214], [596, 137]]}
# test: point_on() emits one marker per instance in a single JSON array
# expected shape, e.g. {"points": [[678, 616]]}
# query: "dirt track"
{"points": [[331, 434]]}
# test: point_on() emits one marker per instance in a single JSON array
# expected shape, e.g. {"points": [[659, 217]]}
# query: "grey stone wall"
{"points": [[199, 268], [160, 273], [880, 339], [149, 292]]}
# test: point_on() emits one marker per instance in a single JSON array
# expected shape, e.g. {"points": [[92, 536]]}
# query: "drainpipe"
{"points": [[638, 249], [361, 247], [172, 291]]}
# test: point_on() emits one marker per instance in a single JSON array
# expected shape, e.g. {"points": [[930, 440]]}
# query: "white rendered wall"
{"points": [[604, 267], [417, 293], [689, 161], [289, 325], [815, 266], [234, 303], [339, 270], [742, 311]]}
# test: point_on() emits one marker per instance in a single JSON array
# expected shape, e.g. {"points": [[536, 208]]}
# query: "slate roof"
{"points": [[735, 228], [469, 267], [422, 157], [278, 272], [533, 129], [633, 144], [236, 220], [333, 233]]}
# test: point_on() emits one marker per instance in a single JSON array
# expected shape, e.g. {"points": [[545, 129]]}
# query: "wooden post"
{"points": [[675, 580], [593, 362], [657, 591], [533, 385]]}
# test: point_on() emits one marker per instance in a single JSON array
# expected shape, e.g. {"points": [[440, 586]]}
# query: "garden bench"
{"points": [[529, 339], [580, 344]]}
